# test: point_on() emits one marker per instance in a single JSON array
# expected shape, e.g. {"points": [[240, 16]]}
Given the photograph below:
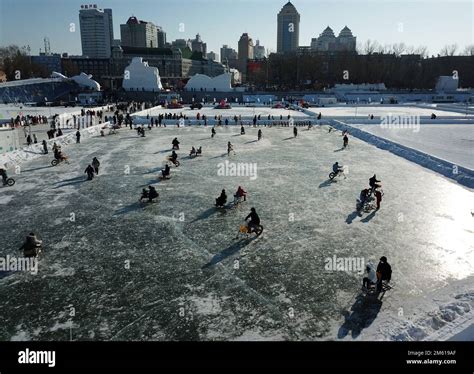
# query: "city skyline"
{"points": [[415, 23]]}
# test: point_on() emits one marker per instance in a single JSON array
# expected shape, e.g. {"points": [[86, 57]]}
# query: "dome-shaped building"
{"points": [[328, 42]]}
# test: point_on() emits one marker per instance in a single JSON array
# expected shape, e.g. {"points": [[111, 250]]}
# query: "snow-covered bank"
{"points": [[458, 173], [17, 157]]}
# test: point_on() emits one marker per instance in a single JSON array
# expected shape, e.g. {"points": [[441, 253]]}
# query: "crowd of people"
{"points": [[122, 115]]}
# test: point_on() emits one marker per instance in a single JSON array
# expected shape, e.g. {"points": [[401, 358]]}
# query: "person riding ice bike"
{"points": [[336, 170], [254, 222], [174, 158], [32, 245]]}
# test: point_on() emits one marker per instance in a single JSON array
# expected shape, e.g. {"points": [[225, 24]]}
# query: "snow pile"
{"points": [[438, 324], [11, 159]]}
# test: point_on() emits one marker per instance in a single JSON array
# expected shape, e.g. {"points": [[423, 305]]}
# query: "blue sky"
{"points": [[432, 23]]}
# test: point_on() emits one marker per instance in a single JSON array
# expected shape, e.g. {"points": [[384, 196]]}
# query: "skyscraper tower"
{"points": [[97, 31], [288, 33], [245, 53]]}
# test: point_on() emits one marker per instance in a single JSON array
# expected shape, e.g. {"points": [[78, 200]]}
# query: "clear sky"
{"points": [[432, 23]]}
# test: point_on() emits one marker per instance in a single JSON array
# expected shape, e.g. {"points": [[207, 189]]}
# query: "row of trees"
{"points": [[16, 63], [398, 49], [318, 71]]}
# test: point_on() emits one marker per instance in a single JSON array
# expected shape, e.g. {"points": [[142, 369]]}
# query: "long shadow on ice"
{"points": [[229, 251], [128, 209], [351, 217], [361, 315], [339, 150], [43, 167], [326, 183], [205, 214], [369, 217], [71, 182]]}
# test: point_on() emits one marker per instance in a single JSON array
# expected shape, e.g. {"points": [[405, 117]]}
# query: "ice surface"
{"points": [[453, 142], [189, 279], [380, 110]]}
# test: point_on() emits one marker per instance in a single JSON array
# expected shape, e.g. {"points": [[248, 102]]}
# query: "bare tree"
{"points": [[399, 48], [370, 47], [422, 50], [449, 50], [469, 50]]}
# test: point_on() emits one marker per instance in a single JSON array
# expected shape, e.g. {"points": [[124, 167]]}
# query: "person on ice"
{"points": [[90, 172], [3, 174], [385, 271], [241, 193], [230, 148], [78, 136], [192, 152], [242, 130], [295, 131], [166, 171], [371, 278], [144, 194], [364, 194], [95, 165], [45, 147], [31, 245], [254, 220], [152, 193], [213, 132], [378, 198], [173, 157], [222, 199], [373, 183], [175, 143], [199, 151], [259, 134], [345, 140], [336, 168]]}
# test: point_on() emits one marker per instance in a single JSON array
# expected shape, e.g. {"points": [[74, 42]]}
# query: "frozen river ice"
{"points": [[173, 271]]}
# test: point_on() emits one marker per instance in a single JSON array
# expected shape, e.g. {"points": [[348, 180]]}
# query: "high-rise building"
{"points": [[197, 45], [228, 53], [212, 56], [288, 32], [181, 43], [245, 53], [161, 36], [97, 31], [258, 51], [137, 33], [328, 42]]}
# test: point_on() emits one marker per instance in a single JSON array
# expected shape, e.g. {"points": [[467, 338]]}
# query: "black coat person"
{"points": [[45, 147], [90, 172], [384, 269], [95, 165], [78, 136]]}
